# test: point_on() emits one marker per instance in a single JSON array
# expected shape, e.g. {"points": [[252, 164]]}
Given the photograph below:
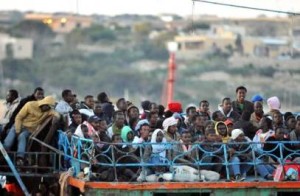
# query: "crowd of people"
{"points": [[243, 126]]}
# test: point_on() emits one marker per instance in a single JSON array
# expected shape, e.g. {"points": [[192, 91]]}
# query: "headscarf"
{"points": [[124, 133], [169, 122], [274, 103], [158, 148]]}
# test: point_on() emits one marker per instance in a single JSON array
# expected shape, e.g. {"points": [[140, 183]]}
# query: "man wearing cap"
{"points": [[31, 116], [92, 123]]}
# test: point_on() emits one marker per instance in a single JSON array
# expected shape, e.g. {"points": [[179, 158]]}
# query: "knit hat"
{"points": [[169, 122], [256, 98], [273, 103], [175, 107], [236, 133]]}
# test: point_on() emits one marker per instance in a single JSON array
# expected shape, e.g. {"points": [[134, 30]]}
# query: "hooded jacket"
{"points": [[224, 138], [31, 115]]}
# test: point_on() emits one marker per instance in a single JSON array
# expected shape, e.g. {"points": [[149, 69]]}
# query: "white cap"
{"points": [[235, 133]]}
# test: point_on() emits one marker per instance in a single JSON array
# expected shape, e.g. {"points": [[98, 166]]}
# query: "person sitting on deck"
{"points": [[264, 133], [118, 123], [27, 121], [240, 153], [221, 131], [257, 114]]}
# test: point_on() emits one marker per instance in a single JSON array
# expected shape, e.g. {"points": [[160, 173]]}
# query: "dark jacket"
{"points": [[276, 151], [108, 110], [247, 127], [248, 106]]}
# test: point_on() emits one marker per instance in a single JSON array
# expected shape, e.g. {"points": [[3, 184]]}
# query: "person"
{"points": [[122, 106], [76, 119], [87, 107], [11, 103], [218, 116], [295, 134], [226, 109], [38, 94], [274, 105], [156, 153], [204, 109], [146, 108], [63, 106], [127, 134], [221, 131], [212, 151], [118, 123], [191, 111], [244, 124], [241, 104], [92, 123], [290, 121], [106, 105], [32, 115], [277, 119], [241, 152], [271, 145], [264, 132], [257, 114], [197, 130], [152, 118]]}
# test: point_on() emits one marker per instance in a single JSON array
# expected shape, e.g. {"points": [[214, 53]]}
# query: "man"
{"points": [[227, 110], [38, 94], [27, 121], [117, 125], [63, 106], [11, 103], [241, 104], [87, 107], [106, 105]]}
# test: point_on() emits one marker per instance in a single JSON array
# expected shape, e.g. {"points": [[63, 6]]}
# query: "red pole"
{"points": [[171, 77]]}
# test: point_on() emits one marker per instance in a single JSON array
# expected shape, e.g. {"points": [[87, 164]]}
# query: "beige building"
{"points": [[61, 23], [222, 38], [17, 48]]}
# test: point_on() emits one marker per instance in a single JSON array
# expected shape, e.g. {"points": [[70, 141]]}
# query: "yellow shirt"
{"points": [[31, 116]]}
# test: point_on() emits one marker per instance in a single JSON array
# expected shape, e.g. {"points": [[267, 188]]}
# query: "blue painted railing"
{"points": [[80, 153]]}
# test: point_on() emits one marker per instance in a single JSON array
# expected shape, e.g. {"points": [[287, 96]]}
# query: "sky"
{"points": [[153, 7]]}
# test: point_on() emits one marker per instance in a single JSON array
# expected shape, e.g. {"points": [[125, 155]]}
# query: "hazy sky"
{"points": [[180, 7]]}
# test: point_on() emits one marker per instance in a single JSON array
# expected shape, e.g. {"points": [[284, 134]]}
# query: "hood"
{"points": [[217, 132], [49, 100], [124, 133]]}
